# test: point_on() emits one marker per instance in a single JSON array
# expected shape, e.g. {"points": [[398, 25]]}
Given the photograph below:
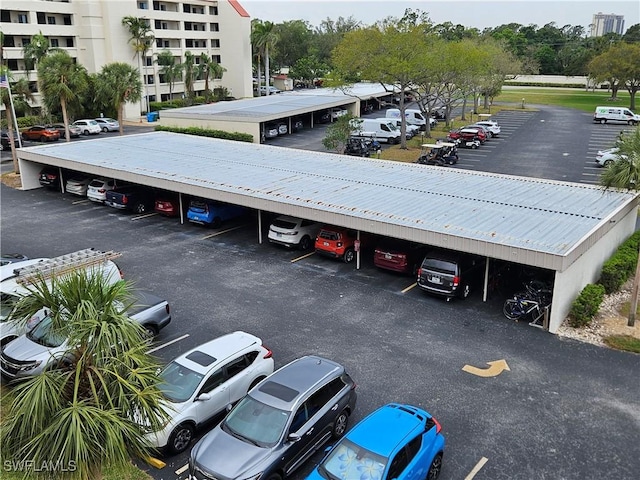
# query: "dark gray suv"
{"points": [[279, 424]]}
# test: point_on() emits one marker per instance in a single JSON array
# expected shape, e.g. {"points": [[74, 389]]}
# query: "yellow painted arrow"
{"points": [[495, 368]]}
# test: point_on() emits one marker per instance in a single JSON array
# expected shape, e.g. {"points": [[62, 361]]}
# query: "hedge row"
{"points": [[202, 132], [615, 272], [543, 84]]}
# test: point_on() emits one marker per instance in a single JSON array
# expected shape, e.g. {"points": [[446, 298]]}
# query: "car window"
{"points": [[398, 464], [299, 418], [281, 223], [216, 379], [413, 447], [96, 183], [179, 382], [329, 235], [349, 460], [236, 366], [307, 223], [43, 334], [256, 421], [441, 266]]}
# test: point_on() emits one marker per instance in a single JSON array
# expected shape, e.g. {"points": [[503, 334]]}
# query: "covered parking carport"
{"points": [[567, 228], [250, 115]]}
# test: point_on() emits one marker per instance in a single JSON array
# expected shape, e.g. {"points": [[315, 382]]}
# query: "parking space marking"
{"points": [[302, 257], [152, 214], [80, 202], [182, 469], [477, 468], [160, 347], [156, 462], [413, 285], [222, 231]]}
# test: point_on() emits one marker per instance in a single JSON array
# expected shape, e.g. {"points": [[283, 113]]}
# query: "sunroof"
{"points": [[201, 358], [279, 391]]}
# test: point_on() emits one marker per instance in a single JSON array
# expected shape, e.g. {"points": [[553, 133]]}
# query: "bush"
{"points": [[30, 121], [201, 132], [586, 306], [622, 264]]}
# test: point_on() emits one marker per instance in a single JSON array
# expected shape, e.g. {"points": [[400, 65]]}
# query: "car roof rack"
{"points": [[51, 267]]}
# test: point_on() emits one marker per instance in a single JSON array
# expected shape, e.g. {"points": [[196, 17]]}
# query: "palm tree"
{"points": [[22, 95], [34, 51], [118, 83], [62, 80], [625, 173], [141, 38], [209, 68], [258, 51], [171, 70], [95, 409], [265, 37], [190, 74]]}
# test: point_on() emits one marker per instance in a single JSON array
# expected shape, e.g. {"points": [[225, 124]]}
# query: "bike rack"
{"points": [[545, 319]]}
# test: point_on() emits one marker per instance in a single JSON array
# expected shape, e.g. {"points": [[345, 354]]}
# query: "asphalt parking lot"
{"points": [[563, 410]]}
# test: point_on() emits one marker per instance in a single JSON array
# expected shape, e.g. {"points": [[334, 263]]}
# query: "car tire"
{"points": [[86, 133], [607, 163], [349, 255], [43, 139], [150, 331], [180, 438], [603, 121], [305, 243], [105, 129], [435, 468], [340, 425], [140, 208]]}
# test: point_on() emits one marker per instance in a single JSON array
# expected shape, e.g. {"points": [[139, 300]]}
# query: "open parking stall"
{"points": [[565, 228]]}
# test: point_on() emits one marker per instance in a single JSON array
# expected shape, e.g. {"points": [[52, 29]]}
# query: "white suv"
{"points": [[293, 232], [490, 125], [201, 383], [97, 189], [88, 126]]}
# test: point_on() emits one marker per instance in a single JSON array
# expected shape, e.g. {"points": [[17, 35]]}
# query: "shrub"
{"points": [[29, 121], [586, 306], [622, 264], [201, 132]]}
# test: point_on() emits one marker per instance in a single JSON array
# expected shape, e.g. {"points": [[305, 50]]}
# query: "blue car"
{"points": [[396, 441], [212, 213]]}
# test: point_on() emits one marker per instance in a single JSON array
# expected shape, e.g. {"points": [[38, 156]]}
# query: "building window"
{"points": [[40, 16], [143, 5], [152, 98], [214, 27], [161, 78], [149, 61], [54, 43], [70, 42], [12, 63], [5, 16], [25, 42], [188, 26], [215, 43], [51, 20], [216, 58], [67, 19], [186, 8], [188, 43], [213, 10], [22, 18], [150, 79]]}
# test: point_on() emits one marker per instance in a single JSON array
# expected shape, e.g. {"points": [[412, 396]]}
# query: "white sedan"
{"points": [[88, 127], [604, 158], [490, 125], [200, 384]]}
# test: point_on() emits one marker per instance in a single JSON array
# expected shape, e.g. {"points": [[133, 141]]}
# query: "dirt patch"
{"points": [[609, 320], [11, 180]]}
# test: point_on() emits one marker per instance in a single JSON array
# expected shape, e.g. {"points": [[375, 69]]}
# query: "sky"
{"points": [[469, 13]]}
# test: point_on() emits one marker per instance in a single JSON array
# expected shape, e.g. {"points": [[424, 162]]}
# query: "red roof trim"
{"points": [[239, 8]]}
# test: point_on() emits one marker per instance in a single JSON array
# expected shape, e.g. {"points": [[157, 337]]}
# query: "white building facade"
{"points": [[606, 23], [91, 31]]}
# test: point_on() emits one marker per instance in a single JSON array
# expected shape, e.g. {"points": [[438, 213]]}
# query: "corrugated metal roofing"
{"points": [[497, 215]]}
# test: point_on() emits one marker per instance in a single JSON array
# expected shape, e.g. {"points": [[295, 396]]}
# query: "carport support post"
{"points": [[486, 280], [181, 209], [61, 179], [358, 251], [260, 227]]}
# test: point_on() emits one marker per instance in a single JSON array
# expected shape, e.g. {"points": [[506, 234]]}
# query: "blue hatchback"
{"points": [[395, 442]]}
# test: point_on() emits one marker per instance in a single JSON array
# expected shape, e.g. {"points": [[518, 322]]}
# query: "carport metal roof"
{"points": [[531, 221], [266, 108]]}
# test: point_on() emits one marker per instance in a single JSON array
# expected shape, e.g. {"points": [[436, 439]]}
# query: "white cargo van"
{"points": [[15, 279], [383, 129], [412, 116], [412, 130], [615, 114]]}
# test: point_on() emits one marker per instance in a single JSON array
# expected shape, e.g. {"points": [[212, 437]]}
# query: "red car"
{"points": [[468, 134], [167, 205], [41, 133], [337, 242], [399, 256]]}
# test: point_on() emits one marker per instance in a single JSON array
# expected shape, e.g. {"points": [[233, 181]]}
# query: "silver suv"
{"points": [[279, 424]]}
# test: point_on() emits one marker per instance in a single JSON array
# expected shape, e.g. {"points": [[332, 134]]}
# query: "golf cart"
{"points": [[441, 153]]}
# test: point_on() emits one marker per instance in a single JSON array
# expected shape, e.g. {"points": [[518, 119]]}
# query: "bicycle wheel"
{"points": [[512, 310]]}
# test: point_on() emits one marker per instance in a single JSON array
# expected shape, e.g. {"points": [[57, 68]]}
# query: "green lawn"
{"points": [[562, 97]]}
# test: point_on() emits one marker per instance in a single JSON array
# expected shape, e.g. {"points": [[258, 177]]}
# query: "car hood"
{"points": [[27, 350], [226, 456]]}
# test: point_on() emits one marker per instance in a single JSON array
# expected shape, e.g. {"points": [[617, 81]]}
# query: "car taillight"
{"points": [[167, 308], [419, 272], [438, 427], [102, 190], [121, 274], [125, 200], [269, 353], [456, 281]]}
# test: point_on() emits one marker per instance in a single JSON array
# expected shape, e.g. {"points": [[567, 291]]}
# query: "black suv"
{"points": [[450, 274], [279, 424]]}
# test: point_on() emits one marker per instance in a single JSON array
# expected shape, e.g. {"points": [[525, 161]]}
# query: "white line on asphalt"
{"points": [[80, 202], [182, 469], [159, 347], [153, 214], [222, 231], [477, 468], [302, 257]]}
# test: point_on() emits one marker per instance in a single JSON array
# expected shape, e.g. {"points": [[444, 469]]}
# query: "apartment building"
{"points": [[91, 31], [606, 23]]}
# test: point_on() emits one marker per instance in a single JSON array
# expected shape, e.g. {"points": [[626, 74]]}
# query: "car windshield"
{"points": [[43, 334], [178, 382], [441, 266], [256, 422], [92, 122], [7, 302], [328, 235], [286, 224], [96, 183], [348, 461]]}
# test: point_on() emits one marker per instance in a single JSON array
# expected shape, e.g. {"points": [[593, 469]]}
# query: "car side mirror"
{"points": [[203, 397], [228, 407], [293, 437]]}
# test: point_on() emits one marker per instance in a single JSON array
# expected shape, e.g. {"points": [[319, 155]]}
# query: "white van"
{"points": [[384, 129], [615, 114], [412, 130], [412, 116], [14, 279]]}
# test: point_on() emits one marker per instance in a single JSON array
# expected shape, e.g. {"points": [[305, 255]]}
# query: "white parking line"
{"points": [[302, 257], [182, 469], [80, 202], [477, 468], [222, 231], [159, 347], [153, 214]]}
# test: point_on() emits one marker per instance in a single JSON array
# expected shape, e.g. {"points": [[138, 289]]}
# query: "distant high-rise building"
{"points": [[607, 23]]}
